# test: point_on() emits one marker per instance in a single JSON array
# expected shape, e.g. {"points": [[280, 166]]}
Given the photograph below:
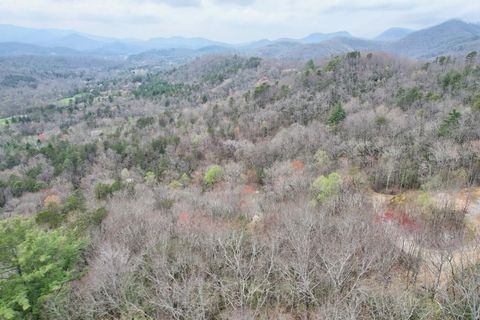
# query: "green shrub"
{"points": [[333, 63], [471, 56], [3, 198], [96, 217], [104, 191], [90, 219], [310, 65], [16, 185], [19, 185], [337, 115], [325, 188], [54, 214], [476, 103], [116, 186], [158, 87], [452, 79], [380, 120], [432, 97], [159, 145], [175, 184], [51, 216], [212, 175], [259, 175], [183, 182], [407, 97], [145, 122], [150, 178], [165, 203], [450, 123], [353, 55], [67, 157], [35, 263], [34, 172], [260, 90], [253, 62], [76, 201]]}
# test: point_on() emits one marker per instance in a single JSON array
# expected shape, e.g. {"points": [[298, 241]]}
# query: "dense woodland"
{"points": [[235, 187]]}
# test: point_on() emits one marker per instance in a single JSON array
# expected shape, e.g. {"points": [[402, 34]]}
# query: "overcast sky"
{"points": [[233, 20]]}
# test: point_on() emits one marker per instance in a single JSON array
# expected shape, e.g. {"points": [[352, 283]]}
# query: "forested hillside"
{"points": [[238, 187]]}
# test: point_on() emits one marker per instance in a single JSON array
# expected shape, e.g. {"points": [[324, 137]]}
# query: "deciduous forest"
{"points": [[240, 187]]}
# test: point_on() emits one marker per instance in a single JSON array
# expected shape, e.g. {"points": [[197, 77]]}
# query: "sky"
{"points": [[233, 21]]}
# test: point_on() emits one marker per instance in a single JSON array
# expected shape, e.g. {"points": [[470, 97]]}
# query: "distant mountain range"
{"points": [[451, 37], [52, 38], [393, 34], [17, 48]]}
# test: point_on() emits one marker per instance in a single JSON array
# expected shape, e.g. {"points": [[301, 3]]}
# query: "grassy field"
{"points": [[5, 121], [9, 120], [67, 101]]}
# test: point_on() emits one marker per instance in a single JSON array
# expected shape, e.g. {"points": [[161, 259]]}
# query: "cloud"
{"points": [[369, 7], [179, 3], [233, 20], [234, 2]]}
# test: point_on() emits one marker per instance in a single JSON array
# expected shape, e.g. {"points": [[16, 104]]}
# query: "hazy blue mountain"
{"points": [[91, 44], [335, 46], [217, 50], [176, 56], [182, 43], [319, 37], [168, 56], [20, 49], [9, 33], [312, 38], [393, 34], [119, 48], [76, 42], [44, 37], [453, 36], [255, 44]]}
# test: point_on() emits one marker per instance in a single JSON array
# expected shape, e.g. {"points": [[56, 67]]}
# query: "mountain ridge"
{"points": [[450, 37], [393, 34]]}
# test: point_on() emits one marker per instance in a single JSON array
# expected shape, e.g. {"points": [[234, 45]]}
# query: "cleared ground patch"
{"points": [[70, 100]]}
